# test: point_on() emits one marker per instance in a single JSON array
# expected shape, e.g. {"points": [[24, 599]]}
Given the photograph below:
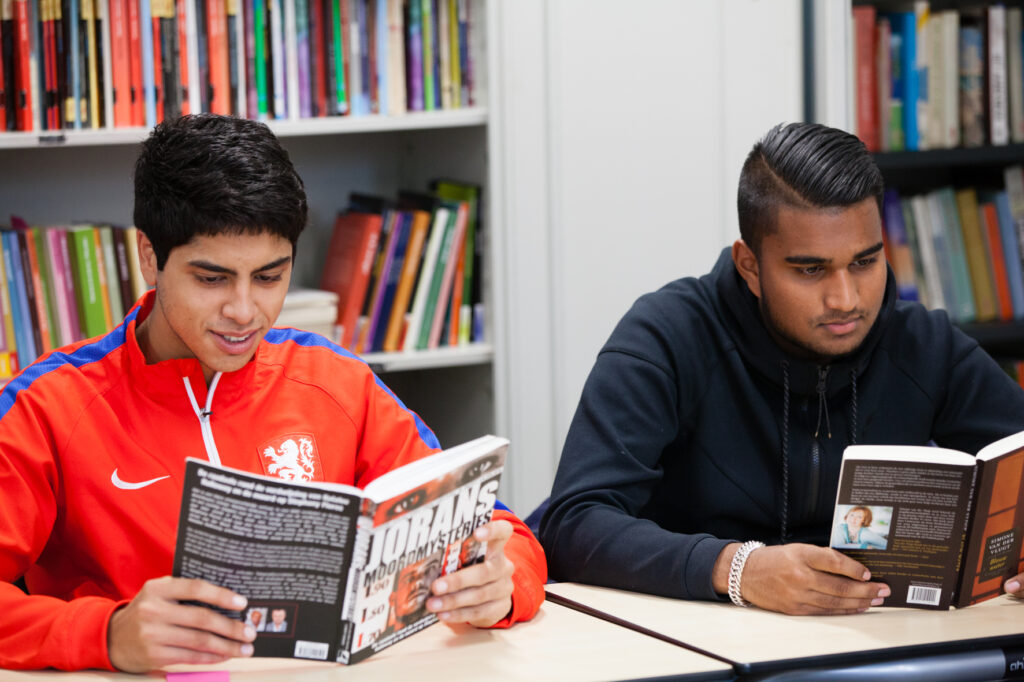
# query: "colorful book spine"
{"points": [[63, 286], [24, 340], [382, 317], [10, 344], [439, 227], [87, 281], [277, 59], [1011, 252]]}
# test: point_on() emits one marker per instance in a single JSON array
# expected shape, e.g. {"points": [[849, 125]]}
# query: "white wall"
{"points": [[622, 128]]}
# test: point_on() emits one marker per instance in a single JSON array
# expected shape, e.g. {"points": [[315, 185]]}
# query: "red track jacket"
{"points": [[93, 444]]}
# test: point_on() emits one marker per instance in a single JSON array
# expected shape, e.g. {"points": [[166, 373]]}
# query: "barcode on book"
{"points": [[924, 595], [317, 650]]}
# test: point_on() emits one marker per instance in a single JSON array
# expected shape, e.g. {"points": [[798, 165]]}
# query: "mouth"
{"points": [[841, 327], [235, 343]]}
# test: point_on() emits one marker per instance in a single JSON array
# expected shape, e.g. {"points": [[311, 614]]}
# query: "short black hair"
{"points": [[803, 166], [206, 174]]}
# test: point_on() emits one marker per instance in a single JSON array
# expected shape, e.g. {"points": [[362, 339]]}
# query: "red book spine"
{"points": [[120, 64], [316, 46], [23, 76], [866, 84], [217, 46], [990, 224], [183, 56], [158, 68], [138, 105]]}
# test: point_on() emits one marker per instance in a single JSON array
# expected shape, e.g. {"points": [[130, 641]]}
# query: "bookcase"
{"points": [[55, 177], [840, 92]]}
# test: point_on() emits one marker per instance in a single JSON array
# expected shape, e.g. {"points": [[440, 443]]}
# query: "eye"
{"points": [[811, 270], [407, 503], [865, 262], [477, 469], [210, 279], [269, 279]]}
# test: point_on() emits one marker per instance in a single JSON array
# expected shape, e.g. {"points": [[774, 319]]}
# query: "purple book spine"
{"points": [[250, 60], [415, 75]]}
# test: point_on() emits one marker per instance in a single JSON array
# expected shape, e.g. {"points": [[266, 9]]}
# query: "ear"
{"points": [[147, 258], [746, 263]]}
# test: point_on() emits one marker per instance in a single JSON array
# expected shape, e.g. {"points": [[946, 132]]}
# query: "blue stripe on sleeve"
{"points": [[310, 340], [84, 355]]}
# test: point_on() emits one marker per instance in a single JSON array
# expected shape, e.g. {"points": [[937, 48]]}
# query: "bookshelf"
{"points": [[53, 177], [831, 83]]}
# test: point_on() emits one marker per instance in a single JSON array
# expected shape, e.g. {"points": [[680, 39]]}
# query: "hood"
{"points": [[740, 313]]}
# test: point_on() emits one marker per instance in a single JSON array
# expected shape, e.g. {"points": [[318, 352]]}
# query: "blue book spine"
{"points": [[19, 300], [908, 30], [391, 284], [1012, 253], [148, 82], [899, 246], [382, 56], [74, 63]]}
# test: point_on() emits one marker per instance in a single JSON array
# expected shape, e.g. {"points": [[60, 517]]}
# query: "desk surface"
{"points": [[759, 640], [558, 644]]}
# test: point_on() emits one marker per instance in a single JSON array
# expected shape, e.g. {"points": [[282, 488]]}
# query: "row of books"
{"points": [[408, 272], [59, 285], [960, 249], [86, 64], [938, 79]]}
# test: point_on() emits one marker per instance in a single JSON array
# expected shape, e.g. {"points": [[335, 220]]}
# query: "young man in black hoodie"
{"points": [[716, 415]]}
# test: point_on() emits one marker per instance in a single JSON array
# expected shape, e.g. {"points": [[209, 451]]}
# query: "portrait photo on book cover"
{"points": [[858, 526], [272, 619]]}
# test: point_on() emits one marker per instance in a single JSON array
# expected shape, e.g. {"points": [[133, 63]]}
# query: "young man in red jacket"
{"points": [[94, 436]]}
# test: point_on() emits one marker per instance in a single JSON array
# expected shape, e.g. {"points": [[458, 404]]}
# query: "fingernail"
{"points": [[434, 604], [247, 649], [239, 601], [250, 632], [884, 592], [877, 602], [440, 587], [444, 616], [867, 575], [481, 533], [1012, 585]]}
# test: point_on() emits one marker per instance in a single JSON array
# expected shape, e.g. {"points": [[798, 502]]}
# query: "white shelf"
{"points": [[456, 356], [333, 125]]}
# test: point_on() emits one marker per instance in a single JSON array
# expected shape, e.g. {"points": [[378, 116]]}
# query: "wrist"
{"points": [[720, 572], [736, 566]]}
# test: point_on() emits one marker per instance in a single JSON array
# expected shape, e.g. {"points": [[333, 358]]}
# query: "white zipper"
{"points": [[204, 418]]}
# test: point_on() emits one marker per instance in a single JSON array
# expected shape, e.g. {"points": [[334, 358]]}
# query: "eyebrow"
{"points": [[815, 260], [220, 269]]}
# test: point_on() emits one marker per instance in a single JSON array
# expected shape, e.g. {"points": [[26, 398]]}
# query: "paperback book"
{"points": [[330, 571], [941, 527]]}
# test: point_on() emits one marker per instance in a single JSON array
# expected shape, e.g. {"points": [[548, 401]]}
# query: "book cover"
{"points": [[347, 266], [977, 256], [439, 227], [456, 190], [63, 287], [1015, 72], [998, 107], [410, 268], [334, 572], [450, 261], [939, 526], [24, 339], [973, 100], [988, 218], [1011, 253], [937, 286], [900, 256], [390, 276], [82, 247], [866, 87]]}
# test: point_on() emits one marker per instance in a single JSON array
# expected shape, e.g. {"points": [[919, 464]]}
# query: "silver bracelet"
{"points": [[739, 560]]}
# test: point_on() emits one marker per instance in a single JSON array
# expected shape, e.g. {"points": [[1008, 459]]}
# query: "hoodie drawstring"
{"points": [[785, 453], [822, 403]]}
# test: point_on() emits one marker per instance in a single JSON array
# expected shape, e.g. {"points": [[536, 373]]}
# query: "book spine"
{"points": [[999, 132], [6, 294], [448, 276], [148, 67], [30, 278], [1012, 253], [37, 235], [277, 59], [291, 57], [19, 300], [61, 303], [972, 95]]}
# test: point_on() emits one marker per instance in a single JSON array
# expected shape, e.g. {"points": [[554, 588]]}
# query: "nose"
{"points": [[240, 308], [842, 292]]}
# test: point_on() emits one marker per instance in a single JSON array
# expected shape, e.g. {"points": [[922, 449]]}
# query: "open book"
{"points": [[333, 572], [940, 527]]}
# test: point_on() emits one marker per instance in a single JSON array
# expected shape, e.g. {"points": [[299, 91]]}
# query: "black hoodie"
{"points": [[695, 430]]}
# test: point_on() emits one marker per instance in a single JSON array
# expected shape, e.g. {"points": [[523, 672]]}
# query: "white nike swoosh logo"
{"points": [[125, 485]]}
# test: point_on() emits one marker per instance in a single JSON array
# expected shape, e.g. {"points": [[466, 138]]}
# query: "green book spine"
{"points": [[470, 194], [87, 281], [427, 23], [339, 57], [259, 17], [42, 252], [435, 282]]}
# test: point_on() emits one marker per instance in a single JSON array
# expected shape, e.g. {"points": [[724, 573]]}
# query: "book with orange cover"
{"points": [[138, 104], [940, 527], [989, 219], [347, 266], [120, 63], [978, 261], [455, 310], [407, 278], [217, 46]]}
